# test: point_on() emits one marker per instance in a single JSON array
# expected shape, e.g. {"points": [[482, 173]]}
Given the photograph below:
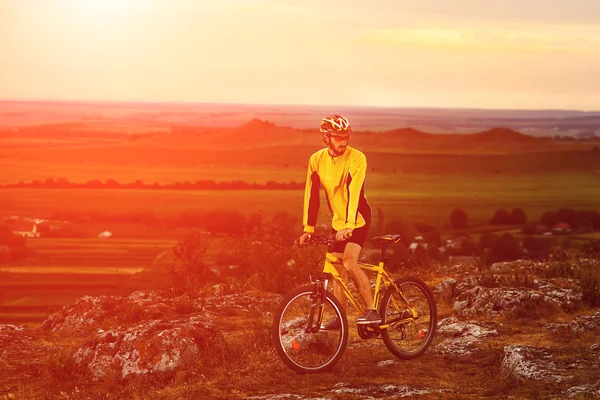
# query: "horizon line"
{"points": [[182, 102]]}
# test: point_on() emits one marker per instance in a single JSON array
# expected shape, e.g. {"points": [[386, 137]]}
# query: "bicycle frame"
{"points": [[383, 279]]}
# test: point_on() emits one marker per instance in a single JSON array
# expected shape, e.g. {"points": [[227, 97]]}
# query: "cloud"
{"points": [[512, 39]]}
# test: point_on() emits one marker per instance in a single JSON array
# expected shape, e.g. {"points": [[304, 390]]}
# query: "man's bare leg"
{"points": [[360, 278], [338, 292]]}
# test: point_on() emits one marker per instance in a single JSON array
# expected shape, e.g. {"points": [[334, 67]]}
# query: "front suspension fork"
{"points": [[317, 305]]}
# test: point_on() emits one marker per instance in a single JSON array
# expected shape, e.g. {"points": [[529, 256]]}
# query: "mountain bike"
{"points": [[301, 328]]}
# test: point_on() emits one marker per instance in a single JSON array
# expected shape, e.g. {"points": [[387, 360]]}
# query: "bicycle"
{"points": [[300, 327]]}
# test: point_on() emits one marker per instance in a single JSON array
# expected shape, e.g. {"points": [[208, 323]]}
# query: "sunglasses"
{"points": [[338, 138]]}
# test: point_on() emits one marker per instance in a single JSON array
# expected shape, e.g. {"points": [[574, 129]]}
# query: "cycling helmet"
{"points": [[335, 124]]}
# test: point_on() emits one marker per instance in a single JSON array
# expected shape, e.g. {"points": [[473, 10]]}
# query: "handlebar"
{"points": [[321, 239]]}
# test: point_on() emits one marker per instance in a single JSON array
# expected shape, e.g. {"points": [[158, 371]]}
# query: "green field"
{"points": [[410, 197], [65, 269]]}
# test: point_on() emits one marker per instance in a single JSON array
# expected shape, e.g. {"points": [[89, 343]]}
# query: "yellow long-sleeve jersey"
{"points": [[343, 179]]}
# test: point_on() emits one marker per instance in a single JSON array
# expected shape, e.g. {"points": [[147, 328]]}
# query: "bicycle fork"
{"points": [[318, 303]]}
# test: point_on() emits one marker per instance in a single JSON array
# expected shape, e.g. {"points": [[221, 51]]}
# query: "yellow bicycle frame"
{"points": [[382, 279]]}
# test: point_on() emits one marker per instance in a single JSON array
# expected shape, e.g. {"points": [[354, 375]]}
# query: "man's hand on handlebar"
{"points": [[312, 239], [343, 234], [303, 238]]}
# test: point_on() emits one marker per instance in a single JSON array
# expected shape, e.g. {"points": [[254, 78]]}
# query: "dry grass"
{"points": [[244, 364]]}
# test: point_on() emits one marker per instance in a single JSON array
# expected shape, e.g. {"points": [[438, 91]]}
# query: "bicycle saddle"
{"points": [[386, 239]]}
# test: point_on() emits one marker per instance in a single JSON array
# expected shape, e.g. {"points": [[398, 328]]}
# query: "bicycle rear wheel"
{"points": [[299, 348], [408, 335]]}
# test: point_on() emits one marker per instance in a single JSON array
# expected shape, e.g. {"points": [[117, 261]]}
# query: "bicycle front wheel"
{"points": [[301, 349], [411, 315]]}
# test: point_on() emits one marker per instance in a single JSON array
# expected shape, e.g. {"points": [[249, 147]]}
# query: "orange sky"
{"points": [[464, 53]]}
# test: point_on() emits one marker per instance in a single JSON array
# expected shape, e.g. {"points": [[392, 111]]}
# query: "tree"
{"points": [[189, 271], [501, 217], [488, 240], [506, 249], [569, 216], [396, 227], [254, 222], [537, 248], [284, 225], [458, 219], [549, 218], [230, 222], [517, 216]]}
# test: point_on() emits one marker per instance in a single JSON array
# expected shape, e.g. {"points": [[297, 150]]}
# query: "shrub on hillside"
{"points": [[272, 265], [591, 249], [229, 222], [501, 217], [518, 216], [488, 240], [506, 249], [567, 264], [189, 272], [570, 216], [549, 218], [424, 228], [458, 219], [538, 248], [397, 227]]}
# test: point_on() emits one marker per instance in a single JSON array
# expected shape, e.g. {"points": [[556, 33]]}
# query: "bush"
{"points": [[397, 227], [570, 216], [570, 265], [458, 219], [518, 217], [506, 249], [549, 218], [271, 264], [538, 248], [592, 249], [229, 222], [189, 271], [488, 240], [501, 217]]}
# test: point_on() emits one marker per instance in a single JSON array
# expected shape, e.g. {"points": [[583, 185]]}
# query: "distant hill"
{"points": [[263, 134], [129, 117]]}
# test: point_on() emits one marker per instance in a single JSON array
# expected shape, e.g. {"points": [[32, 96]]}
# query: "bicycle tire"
{"points": [[408, 340], [300, 350]]}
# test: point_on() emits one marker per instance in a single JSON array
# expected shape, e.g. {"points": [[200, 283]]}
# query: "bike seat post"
{"points": [[383, 257]]}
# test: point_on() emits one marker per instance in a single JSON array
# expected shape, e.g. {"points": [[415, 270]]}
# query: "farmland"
{"points": [[413, 176]]}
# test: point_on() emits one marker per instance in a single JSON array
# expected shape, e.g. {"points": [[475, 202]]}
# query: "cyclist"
{"points": [[341, 170]]}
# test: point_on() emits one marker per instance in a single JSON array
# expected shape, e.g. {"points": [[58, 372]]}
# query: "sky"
{"points": [[513, 54]]}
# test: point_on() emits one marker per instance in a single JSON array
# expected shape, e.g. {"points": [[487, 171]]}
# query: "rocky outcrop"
{"points": [[581, 324], [377, 392], [527, 362], [588, 390], [497, 301], [148, 347], [13, 336], [148, 332], [461, 338], [544, 268], [90, 313]]}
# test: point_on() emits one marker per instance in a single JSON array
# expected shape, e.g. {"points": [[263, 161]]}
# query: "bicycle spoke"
{"points": [[302, 349], [410, 314]]}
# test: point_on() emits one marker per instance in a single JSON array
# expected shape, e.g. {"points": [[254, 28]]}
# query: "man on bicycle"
{"points": [[341, 170]]}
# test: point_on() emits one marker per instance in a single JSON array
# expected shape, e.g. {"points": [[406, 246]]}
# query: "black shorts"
{"points": [[359, 236]]}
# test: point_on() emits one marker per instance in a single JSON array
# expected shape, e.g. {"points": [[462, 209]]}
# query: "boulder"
{"points": [[148, 347], [497, 301], [532, 363], [90, 313], [461, 338], [581, 324]]}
